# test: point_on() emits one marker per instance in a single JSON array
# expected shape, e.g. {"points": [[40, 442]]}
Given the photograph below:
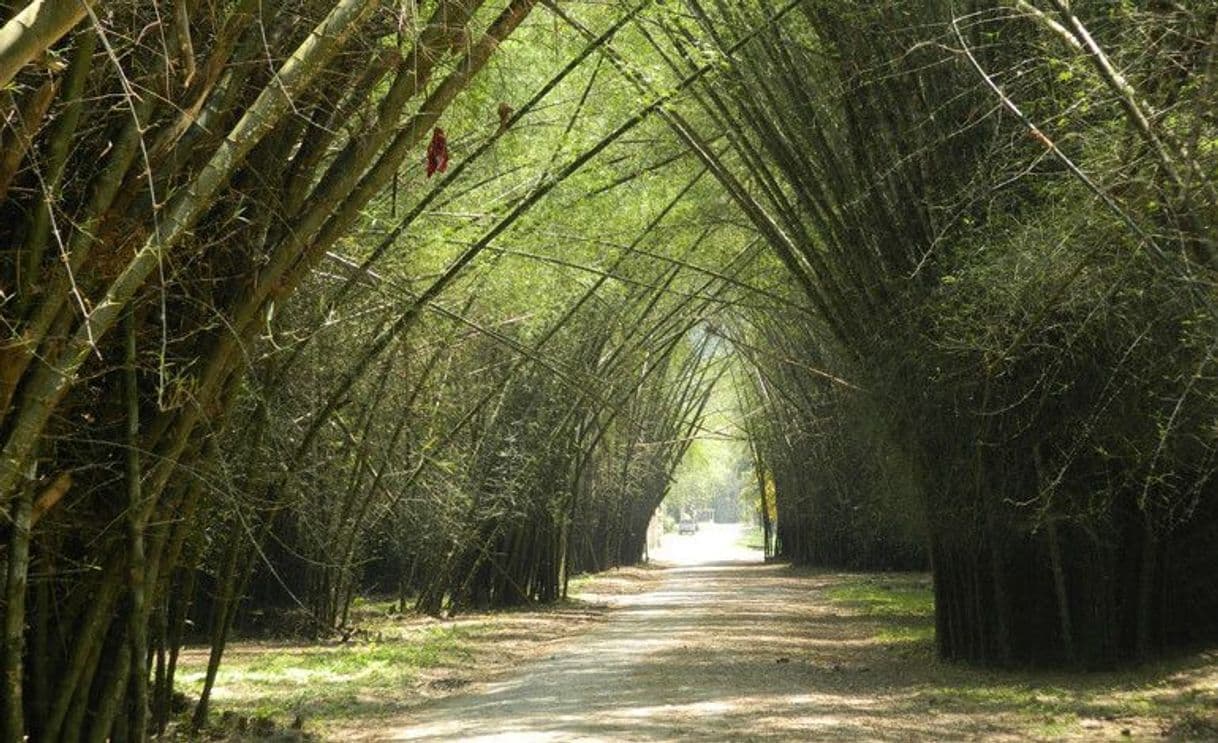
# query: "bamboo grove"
{"points": [[1001, 216], [310, 299], [181, 436]]}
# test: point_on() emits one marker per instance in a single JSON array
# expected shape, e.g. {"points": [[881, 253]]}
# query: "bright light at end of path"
{"points": [[713, 543]]}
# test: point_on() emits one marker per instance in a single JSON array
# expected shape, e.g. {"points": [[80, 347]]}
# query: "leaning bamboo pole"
{"points": [[33, 30], [51, 381]]}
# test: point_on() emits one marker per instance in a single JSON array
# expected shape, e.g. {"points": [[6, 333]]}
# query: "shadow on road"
{"points": [[730, 648]]}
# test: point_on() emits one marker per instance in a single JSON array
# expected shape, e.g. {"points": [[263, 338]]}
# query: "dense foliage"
{"points": [[311, 298], [1003, 223]]}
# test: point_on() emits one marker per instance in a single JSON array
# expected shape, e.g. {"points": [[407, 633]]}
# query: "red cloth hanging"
{"points": [[437, 153]]}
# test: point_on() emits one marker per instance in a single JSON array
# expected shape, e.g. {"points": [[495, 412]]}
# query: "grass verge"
{"points": [[334, 685], [1173, 698], [897, 595], [394, 663]]}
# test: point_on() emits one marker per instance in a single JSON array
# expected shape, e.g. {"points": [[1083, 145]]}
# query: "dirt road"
{"points": [[652, 670], [728, 648]]}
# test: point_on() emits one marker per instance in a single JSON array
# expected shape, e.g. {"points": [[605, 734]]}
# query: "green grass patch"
{"points": [[918, 634], [327, 684], [373, 661], [1053, 727], [1037, 701], [578, 583], [1048, 704], [881, 596]]}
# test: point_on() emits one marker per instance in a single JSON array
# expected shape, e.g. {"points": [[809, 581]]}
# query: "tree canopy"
{"points": [[443, 298]]}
